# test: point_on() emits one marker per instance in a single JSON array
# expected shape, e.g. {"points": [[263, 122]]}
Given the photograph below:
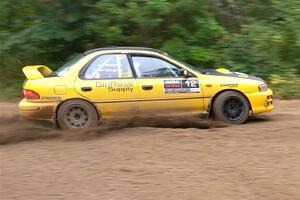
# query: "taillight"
{"points": [[29, 94]]}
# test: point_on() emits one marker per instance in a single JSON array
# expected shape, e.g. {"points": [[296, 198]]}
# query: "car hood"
{"points": [[226, 72]]}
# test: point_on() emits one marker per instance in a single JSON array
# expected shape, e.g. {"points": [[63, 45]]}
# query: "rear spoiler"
{"points": [[36, 71]]}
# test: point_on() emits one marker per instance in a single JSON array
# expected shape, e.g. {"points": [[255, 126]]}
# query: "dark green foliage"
{"points": [[251, 36]]}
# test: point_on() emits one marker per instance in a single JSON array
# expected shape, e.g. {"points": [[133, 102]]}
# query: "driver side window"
{"points": [[151, 67]]}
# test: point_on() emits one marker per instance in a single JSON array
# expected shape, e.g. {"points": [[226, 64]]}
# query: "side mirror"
{"points": [[185, 73]]}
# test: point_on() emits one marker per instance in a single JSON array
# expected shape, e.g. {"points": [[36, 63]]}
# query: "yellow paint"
{"points": [[128, 97], [223, 70], [36, 71]]}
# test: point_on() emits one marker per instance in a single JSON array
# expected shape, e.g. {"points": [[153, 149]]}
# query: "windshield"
{"points": [[66, 67], [197, 69]]}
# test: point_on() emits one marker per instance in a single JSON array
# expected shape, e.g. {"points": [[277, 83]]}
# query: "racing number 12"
{"points": [[191, 83]]}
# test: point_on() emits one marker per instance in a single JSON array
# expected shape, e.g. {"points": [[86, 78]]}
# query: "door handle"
{"points": [[86, 89], [147, 87]]}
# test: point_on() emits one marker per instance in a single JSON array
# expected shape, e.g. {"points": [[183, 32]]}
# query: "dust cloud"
{"points": [[15, 129]]}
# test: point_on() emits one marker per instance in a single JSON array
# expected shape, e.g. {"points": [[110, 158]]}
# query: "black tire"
{"points": [[231, 107], [76, 114]]}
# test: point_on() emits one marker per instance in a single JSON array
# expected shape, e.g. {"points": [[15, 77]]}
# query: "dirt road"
{"points": [[258, 160]]}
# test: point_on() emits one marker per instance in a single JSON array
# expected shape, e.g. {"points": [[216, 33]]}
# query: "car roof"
{"points": [[124, 48]]}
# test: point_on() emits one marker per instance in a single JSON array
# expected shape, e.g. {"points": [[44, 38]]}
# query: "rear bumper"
{"points": [[261, 101], [38, 110]]}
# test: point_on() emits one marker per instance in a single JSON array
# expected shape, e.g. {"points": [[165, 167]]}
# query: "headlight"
{"points": [[263, 87]]}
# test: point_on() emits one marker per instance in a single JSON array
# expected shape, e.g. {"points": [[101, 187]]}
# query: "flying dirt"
{"points": [[152, 158]]}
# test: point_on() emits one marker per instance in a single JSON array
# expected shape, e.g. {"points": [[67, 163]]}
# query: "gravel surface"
{"points": [[159, 160]]}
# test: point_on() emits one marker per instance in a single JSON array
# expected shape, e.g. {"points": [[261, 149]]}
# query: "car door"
{"points": [[109, 83], [163, 88]]}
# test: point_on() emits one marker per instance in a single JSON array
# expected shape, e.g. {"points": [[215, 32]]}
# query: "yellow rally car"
{"points": [[122, 81]]}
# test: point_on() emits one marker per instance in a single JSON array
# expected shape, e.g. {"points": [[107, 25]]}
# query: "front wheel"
{"points": [[76, 114], [231, 107]]}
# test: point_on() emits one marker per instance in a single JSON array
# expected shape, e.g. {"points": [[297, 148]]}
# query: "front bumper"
{"points": [[37, 110], [261, 101]]}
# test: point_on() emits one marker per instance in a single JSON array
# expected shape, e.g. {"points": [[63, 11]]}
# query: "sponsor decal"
{"points": [[230, 85], [181, 86], [116, 86], [52, 98]]}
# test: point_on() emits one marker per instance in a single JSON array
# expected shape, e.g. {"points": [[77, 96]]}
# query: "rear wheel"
{"points": [[76, 114], [231, 107]]}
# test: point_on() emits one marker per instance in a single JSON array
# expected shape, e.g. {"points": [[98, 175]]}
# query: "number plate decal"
{"points": [[181, 86]]}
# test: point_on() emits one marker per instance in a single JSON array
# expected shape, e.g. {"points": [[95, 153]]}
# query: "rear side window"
{"points": [[109, 66], [66, 67]]}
